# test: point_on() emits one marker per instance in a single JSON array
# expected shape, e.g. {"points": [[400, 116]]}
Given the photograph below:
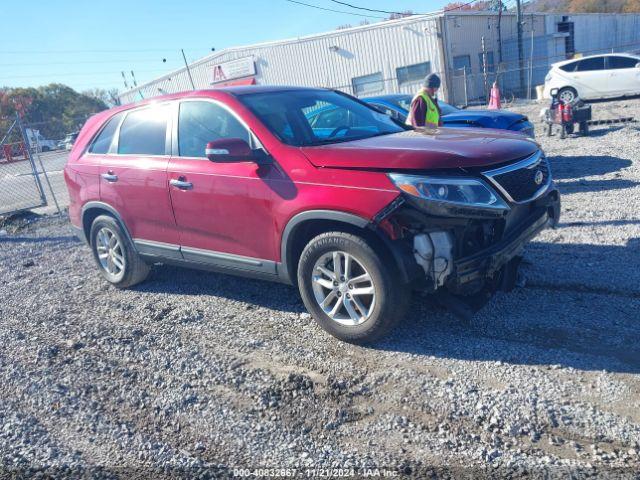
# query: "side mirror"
{"points": [[228, 150], [638, 65]]}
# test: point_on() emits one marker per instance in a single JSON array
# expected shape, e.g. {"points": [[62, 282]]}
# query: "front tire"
{"points": [[115, 255], [352, 290]]}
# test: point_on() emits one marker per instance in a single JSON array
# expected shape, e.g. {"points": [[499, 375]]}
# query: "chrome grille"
{"points": [[522, 181]]}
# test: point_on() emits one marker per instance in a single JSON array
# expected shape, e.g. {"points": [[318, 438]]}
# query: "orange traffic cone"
{"points": [[494, 100]]}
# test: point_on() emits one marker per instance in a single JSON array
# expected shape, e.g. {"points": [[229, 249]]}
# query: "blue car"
{"points": [[397, 106]]}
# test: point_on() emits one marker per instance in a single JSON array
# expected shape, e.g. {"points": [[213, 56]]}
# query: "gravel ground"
{"points": [[197, 374]]}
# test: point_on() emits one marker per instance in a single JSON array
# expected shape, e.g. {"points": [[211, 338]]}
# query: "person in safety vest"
{"points": [[424, 110]]}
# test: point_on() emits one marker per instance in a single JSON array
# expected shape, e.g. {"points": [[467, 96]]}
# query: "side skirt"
{"points": [[156, 252]]}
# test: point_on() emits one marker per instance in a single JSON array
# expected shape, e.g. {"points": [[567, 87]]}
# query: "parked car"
{"points": [[594, 77], [398, 107], [237, 180], [68, 141], [38, 143]]}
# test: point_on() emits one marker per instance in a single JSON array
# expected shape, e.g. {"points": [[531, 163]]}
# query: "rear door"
{"points": [[624, 76], [133, 178], [224, 214], [591, 79]]}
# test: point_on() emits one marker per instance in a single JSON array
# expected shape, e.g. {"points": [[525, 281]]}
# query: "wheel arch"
{"points": [[92, 210], [306, 225]]}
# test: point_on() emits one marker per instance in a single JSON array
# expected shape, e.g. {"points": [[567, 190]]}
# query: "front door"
{"points": [[133, 180], [223, 210], [624, 76]]}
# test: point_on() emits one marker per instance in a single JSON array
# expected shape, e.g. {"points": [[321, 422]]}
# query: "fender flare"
{"points": [[95, 205], [348, 218]]}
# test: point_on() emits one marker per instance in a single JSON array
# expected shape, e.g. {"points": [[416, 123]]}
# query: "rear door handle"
{"points": [[181, 183], [110, 177]]}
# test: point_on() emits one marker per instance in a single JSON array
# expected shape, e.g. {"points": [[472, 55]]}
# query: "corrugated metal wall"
{"points": [[606, 33], [328, 60], [334, 59]]}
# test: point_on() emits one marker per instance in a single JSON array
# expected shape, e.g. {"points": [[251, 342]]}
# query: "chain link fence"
{"points": [[31, 169]]}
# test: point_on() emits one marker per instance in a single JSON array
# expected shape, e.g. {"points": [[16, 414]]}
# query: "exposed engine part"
{"points": [[434, 253]]}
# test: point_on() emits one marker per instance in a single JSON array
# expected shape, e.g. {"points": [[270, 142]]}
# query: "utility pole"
{"points": [[187, 67], [484, 69], [520, 49], [500, 33]]}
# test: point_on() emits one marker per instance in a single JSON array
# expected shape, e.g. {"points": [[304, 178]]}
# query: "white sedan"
{"points": [[595, 76]]}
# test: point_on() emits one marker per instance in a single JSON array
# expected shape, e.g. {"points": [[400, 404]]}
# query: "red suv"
{"points": [[356, 210]]}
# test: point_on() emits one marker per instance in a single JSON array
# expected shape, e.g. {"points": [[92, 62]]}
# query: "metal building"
{"points": [[470, 50]]}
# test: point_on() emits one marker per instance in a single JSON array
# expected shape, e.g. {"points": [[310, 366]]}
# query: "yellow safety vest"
{"points": [[432, 119]]}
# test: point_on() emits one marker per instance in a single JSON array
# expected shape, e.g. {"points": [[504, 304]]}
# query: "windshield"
{"points": [[317, 117], [445, 108]]}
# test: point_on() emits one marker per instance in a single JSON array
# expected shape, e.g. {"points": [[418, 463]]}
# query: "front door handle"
{"points": [[110, 177], [181, 183]]}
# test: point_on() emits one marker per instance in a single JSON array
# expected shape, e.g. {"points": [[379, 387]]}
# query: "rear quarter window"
{"points": [[102, 142], [569, 67]]}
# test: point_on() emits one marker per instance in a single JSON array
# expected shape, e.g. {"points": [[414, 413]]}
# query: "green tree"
{"points": [[54, 109]]}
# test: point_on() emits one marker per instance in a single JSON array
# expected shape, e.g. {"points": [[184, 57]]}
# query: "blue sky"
{"points": [[88, 44]]}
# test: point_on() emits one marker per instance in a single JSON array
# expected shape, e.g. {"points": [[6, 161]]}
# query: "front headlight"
{"points": [[464, 192]]}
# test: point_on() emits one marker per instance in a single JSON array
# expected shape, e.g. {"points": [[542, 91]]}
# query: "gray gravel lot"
{"points": [[195, 374]]}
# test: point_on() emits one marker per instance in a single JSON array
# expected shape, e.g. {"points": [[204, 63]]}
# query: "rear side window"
{"points": [[144, 132], [590, 64], [622, 62], [103, 141]]}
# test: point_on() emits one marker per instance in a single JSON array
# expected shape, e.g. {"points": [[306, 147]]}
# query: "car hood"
{"points": [[422, 149], [484, 118]]}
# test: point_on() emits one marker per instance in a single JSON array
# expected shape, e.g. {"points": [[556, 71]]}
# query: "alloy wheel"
{"points": [[110, 252], [343, 288], [567, 96]]}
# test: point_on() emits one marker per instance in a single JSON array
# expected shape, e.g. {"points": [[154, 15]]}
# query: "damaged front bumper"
{"points": [[488, 262], [442, 260]]}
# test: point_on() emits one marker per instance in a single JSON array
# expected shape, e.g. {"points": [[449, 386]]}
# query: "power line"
{"points": [[335, 11], [75, 63], [91, 51], [365, 8], [457, 7], [74, 74]]}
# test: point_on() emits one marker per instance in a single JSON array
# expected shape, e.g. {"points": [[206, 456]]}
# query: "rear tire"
{"points": [[115, 255], [357, 304]]}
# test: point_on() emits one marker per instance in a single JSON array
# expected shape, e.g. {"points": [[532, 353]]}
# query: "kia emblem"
{"points": [[539, 177]]}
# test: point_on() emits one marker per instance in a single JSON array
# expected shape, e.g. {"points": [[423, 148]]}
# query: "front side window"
{"points": [[413, 73], [368, 84], [590, 64], [103, 141], [202, 122], [144, 131], [616, 63], [316, 117]]}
